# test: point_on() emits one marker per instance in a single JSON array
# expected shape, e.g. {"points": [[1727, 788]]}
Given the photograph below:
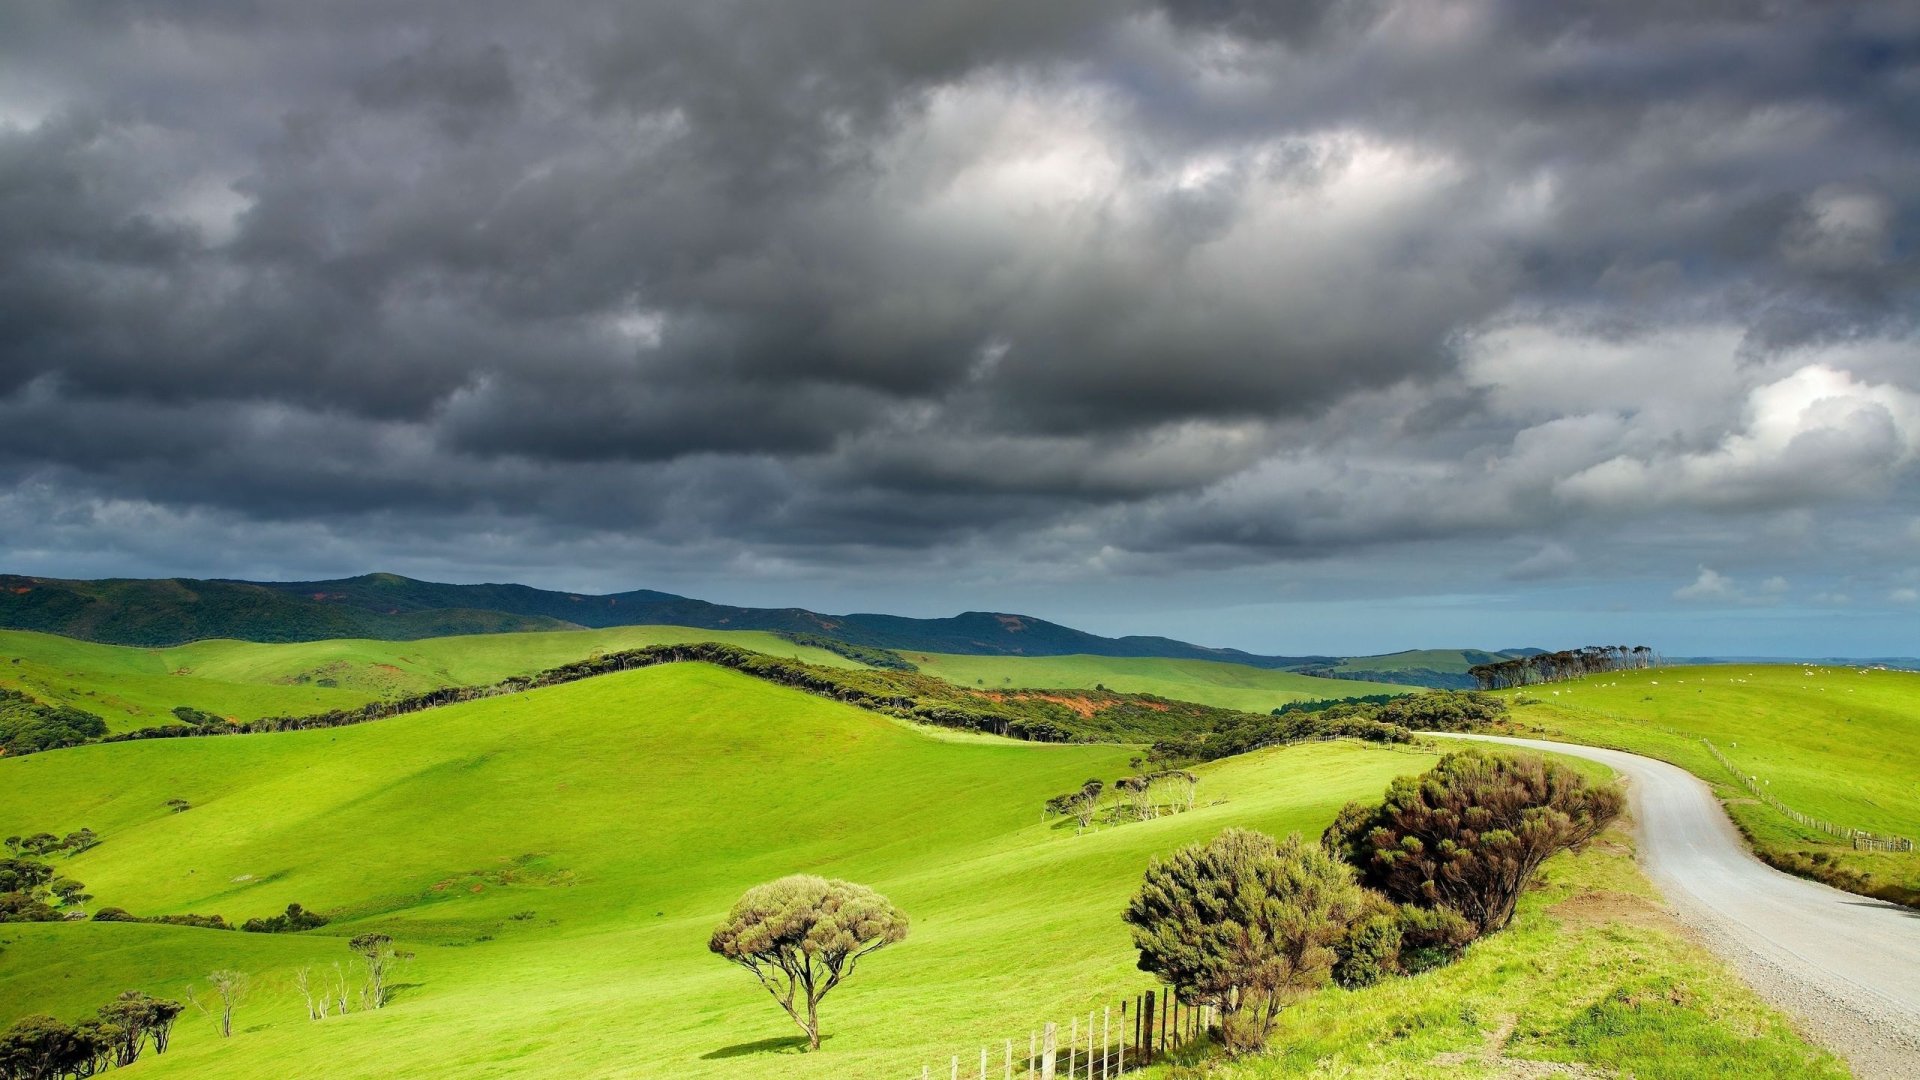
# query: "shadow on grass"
{"points": [[396, 990], [791, 1044]]}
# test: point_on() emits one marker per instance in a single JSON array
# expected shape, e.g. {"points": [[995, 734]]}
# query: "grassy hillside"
{"points": [[626, 812], [134, 687], [555, 860], [1841, 744], [1229, 686]]}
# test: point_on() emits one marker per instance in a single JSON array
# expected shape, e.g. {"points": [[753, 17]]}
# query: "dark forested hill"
{"points": [[175, 610]]}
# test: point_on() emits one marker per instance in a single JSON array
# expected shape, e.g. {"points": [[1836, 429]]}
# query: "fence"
{"points": [[1142, 1032], [1861, 840]]}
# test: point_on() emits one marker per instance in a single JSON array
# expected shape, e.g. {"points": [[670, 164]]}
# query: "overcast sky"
{"points": [[1332, 327]]}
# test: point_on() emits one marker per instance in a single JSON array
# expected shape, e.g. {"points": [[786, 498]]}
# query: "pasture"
{"points": [[131, 687], [1838, 743], [1229, 686]]}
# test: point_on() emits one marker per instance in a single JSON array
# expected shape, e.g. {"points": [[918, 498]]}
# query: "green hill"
{"points": [[1436, 668], [555, 859], [626, 812], [1838, 743], [135, 687], [1229, 686]]}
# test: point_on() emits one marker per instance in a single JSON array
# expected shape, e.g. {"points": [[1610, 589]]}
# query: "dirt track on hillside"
{"points": [[1847, 967]]}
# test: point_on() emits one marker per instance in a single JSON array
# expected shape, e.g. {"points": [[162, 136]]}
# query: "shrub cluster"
{"points": [[1246, 924], [204, 922], [28, 726], [870, 655], [294, 920]]}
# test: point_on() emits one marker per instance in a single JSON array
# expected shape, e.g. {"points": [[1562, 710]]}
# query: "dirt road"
{"points": [[1847, 966]]}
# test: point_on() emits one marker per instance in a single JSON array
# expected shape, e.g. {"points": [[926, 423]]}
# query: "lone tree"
{"points": [[802, 935], [1469, 834], [229, 987], [378, 953], [1244, 924]]}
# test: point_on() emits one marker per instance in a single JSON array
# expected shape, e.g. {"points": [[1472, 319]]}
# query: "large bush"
{"points": [[1468, 835], [1244, 924]]}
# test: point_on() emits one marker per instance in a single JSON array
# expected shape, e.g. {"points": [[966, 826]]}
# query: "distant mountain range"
{"points": [[171, 611]]}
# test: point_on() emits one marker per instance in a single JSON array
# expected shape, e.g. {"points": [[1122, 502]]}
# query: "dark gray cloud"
{"points": [[1064, 290]]}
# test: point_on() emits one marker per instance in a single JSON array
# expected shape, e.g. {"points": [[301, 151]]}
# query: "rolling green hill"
{"points": [[134, 687], [1437, 668], [555, 859], [1842, 744], [1229, 686], [626, 812]]}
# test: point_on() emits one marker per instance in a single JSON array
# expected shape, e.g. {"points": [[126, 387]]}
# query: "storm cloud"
{"points": [[1283, 300]]}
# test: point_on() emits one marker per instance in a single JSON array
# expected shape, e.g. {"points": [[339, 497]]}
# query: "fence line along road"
{"points": [[1144, 1029], [1860, 838]]}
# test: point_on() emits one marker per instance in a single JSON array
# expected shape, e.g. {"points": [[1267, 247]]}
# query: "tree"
{"points": [[802, 935], [229, 988], [1469, 834], [378, 953], [1243, 924], [133, 1018]]}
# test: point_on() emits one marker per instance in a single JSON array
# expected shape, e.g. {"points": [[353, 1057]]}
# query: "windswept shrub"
{"points": [[1244, 924], [801, 936], [1469, 834]]}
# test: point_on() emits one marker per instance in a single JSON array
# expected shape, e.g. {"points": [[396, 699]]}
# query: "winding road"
{"points": [[1847, 966]]}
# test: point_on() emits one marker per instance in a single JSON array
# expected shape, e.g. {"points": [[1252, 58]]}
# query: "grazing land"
{"points": [[1229, 686], [1838, 743], [131, 687], [626, 813]]}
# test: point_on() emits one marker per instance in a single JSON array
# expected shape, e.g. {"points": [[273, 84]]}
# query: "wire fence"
{"points": [[1860, 838], [1109, 1042]]}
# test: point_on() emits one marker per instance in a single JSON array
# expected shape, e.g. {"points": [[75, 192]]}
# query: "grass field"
{"points": [[132, 687], [1230, 686], [1837, 743], [619, 817], [626, 813]]}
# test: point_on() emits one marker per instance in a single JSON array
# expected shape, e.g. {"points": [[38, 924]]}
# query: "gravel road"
{"points": [[1848, 967]]}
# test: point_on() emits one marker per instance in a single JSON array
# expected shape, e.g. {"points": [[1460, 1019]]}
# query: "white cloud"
{"points": [[1904, 596], [1711, 585], [1816, 433]]}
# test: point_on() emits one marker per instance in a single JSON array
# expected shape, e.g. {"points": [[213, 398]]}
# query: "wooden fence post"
{"points": [[1106, 1040], [956, 1067], [1146, 1029], [1049, 1045], [1033, 1053], [1009, 1059], [983, 1063]]}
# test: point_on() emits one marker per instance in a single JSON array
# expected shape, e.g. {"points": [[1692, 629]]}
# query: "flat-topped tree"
{"points": [[802, 935]]}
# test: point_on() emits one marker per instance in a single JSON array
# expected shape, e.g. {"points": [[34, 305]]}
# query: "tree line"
{"points": [[42, 1048], [1560, 666]]}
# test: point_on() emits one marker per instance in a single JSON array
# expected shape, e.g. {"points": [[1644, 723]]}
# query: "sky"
{"points": [[1307, 327]]}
